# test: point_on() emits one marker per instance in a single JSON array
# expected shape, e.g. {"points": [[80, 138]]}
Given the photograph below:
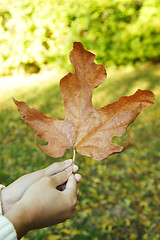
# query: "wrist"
{"points": [[6, 201], [17, 217]]}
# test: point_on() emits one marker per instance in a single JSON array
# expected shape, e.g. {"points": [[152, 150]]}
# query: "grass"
{"points": [[120, 196]]}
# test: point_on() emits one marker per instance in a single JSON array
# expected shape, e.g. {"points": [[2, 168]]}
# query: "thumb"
{"points": [[61, 177], [71, 185]]}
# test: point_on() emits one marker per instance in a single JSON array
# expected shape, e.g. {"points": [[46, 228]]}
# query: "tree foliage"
{"points": [[35, 34]]}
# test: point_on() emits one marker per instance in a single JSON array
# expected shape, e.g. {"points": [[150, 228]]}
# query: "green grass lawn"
{"points": [[120, 196]]}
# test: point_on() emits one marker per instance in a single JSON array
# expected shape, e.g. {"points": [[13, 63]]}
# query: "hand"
{"points": [[14, 192], [43, 205]]}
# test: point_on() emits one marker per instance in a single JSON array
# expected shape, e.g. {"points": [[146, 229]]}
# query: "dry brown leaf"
{"points": [[88, 130]]}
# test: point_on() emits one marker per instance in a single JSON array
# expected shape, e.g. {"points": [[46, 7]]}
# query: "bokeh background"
{"points": [[120, 196]]}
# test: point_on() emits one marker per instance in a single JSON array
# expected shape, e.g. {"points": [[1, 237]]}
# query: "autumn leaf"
{"points": [[88, 130]]}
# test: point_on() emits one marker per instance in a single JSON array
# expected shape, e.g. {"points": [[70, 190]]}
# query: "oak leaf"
{"points": [[88, 130]]}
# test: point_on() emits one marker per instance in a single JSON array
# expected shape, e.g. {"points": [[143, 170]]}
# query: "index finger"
{"points": [[71, 185]]}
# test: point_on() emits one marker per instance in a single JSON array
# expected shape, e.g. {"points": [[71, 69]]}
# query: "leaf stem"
{"points": [[74, 154]]}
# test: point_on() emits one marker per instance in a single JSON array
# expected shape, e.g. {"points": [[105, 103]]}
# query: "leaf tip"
{"points": [[16, 101], [78, 45]]}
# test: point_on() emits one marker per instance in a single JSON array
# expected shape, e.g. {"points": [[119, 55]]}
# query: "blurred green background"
{"points": [[120, 196]]}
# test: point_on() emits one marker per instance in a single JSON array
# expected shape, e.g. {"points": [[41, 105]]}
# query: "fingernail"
{"points": [[75, 168], [68, 161], [78, 177], [69, 169]]}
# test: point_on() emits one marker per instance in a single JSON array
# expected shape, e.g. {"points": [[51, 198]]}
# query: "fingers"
{"points": [[71, 185], [78, 177], [75, 168], [57, 167], [61, 177], [63, 186]]}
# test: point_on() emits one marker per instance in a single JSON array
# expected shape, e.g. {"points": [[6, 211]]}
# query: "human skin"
{"points": [[33, 201]]}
